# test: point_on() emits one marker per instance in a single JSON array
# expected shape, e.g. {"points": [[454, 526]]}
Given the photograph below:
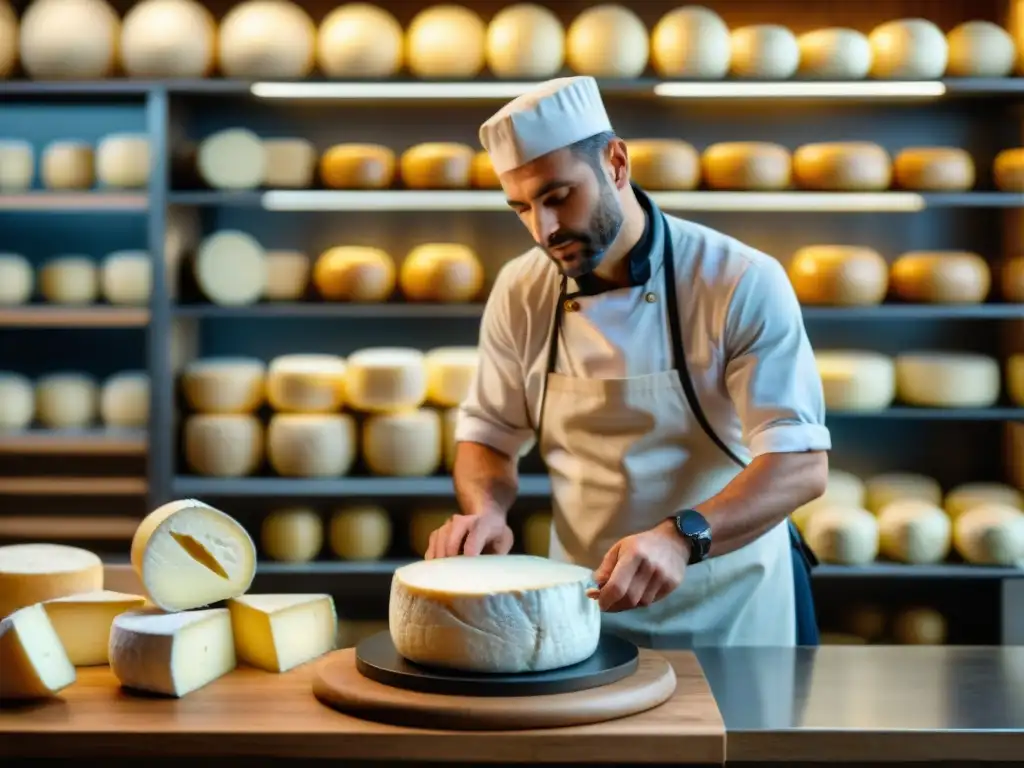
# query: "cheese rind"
{"points": [[306, 383], [746, 165], [83, 622], [276, 633], [358, 166], [312, 444], [857, 166], [508, 614], [691, 42], [934, 169], [32, 573], [948, 380], [526, 41], [941, 277], [834, 53], [908, 49], [446, 41], [664, 164], [224, 384], [32, 659], [404, 443], [444, 272], [355, 273], [437, 165], [980, 48], [838, 275], [223, 444]]}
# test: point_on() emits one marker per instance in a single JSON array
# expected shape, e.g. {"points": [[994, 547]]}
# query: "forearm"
{"points": [[486, 480]]}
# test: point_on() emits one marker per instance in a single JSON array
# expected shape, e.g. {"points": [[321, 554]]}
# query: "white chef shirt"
{"points": [[746, 347]]}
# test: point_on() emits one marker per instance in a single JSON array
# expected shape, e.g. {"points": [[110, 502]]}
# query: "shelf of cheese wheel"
{"points": [[117, 162], [866, 624]]}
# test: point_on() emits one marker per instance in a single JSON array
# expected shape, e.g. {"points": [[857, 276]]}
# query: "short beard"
{"points": [[605, 225]]}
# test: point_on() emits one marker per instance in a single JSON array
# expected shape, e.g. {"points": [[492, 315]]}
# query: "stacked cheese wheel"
{"points": [[74, 400], [117, 161], [122, 278], [296, 534]]}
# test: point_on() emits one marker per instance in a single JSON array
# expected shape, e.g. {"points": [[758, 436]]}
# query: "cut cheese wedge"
{"points": [[279, 632], [32, 573], [32, 659], [188, 555], [83, 622]]}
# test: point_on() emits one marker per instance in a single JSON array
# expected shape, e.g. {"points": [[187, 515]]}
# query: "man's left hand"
{"points": [[642, 569]]}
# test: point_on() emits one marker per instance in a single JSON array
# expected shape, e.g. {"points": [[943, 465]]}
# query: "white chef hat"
{"points": [[553, 115]]}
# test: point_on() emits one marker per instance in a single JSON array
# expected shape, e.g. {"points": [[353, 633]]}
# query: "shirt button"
{"points": [[571, 305], [650, 298]]}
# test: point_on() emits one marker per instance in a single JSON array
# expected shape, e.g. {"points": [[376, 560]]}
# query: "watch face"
{"points": [[693, 524]]}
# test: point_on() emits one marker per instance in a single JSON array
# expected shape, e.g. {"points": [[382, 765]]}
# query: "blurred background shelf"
{"points": [[56, 442], [530, 486]]}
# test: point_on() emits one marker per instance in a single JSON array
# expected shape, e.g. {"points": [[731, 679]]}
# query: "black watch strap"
{"points": [[694, 527]]}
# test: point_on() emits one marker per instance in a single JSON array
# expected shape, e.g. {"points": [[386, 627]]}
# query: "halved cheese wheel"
{"points": [[855, 380], [527, 41], [980, 49], [764, 52], [446, 41], [941, 277], [437, 165], [359, 40], [834, 53], [357, 166], [948, 380], [839, 275], [607, 40], [691, 42], [230, 268], [355, 273], [1011, 279], [664, 164], [234, 158], [266, 39], [444, 272], [290, 163], [934, 169], [481, 173], [908, 49], [746, 165], [1008, 170], [856, 166], [1015, 379]]}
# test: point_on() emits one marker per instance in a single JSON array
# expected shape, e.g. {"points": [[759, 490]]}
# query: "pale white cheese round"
{"points": [[17, 165], [855, 380], [844, 535], [223, 445], [691, 42], [358, 40], [306, 383], [126, 277], [124, 400], [17, 401], [764, 52], [446, 41], [122, 161], [224, 384], [525, 40], [168, 38], [360, 533], [607, 40], [69, 39], [67, 400], [948, 380], [990, 534], [914, 531], [450, 373], [311, 444], [403, 444], [266, 39], [70, 279], [68, 165], [292, 534], [17, 279], [386, 379]]}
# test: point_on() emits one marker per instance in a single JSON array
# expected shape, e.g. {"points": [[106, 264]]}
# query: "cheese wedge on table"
{"points": [[82, 622], [279, 632], [33, 664], [31, 573]]}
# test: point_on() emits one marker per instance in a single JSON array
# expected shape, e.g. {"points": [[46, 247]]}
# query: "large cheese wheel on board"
{"points": [[855, 166], [68, 165], [234, 158], [223, 445], [990, 534], [17, 165], [224, 384], [1011, 279], [168, 39], [908, 49], [855, 380], [355, 273], [842, 489], [691, 43], [1015, 379], [289, 163], [941, 277], [361, 533], [266, 38], [69, 39], [834, 53], [664, 164], [1008, 170], [437, 165], [746, 165], [306, 383], [122, 161], [33, 573], [359, 40], [230, 268], [422, 523], [764, 52], [70, 280], [963, 498], [525, 40], [124, 400], [67, 400], [889, 487], [357, 166], [17, 280], [948, 380], [312, 444], [608, 41], [126, 277], [287, 275], [481, 173], [838, 275], [843, 535], [980, 49], [386, 379], [919, 626], [443, 272], [403, 443], [446, 41], [8, 39], [914, 532], [450, 374], [934, 169], [17, 401], [292, 535]]}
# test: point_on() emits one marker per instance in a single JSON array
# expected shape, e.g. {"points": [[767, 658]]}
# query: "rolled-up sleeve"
{"points": [[770, 371]]}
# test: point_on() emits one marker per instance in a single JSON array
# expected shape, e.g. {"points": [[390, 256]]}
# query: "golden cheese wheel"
{"points": [[437, 165], [1008, 170], [919, 626], [357, 166], [525, 40], [446, 41], [763, 52], [607, 40], [664, 164], [424, 522], [854, 166], [746, 165], [360, 533], [990, 534], [941, 277], [980, 49], [834, 53], [839, 275], [355, 273], [691, 42], [444, 272], [292, 535], [1011, 279], [481, 172], [359, 40], [908, 49], [961, 499], [934, 169]]}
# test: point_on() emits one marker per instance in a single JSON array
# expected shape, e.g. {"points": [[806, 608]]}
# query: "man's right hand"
{"points": [[471, 535]]}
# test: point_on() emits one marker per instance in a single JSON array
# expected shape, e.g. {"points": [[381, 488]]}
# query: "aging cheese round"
{"points": [[356, 273], [963, 498], [310, 383], [839, 275], [948, 380], [914, 532], [1008, 170], [607, 40], [17, 401], [124, 400], [692, 43], [843, 535], [980, 49], [311, 444], [450, 374], [8, 39], [287, 275], [746, 165], [69, 280], [223, 444], [854, 166], [234, 158], [842, 489], [17, 165], [856, 380], [934, 169], [266, 38], [442, 272], [424, 522], [493, 614], [1011, 279], [168, 39], [764, 52], [941, 277], [446, 41], [664, 164], [122, 161], [230, 268], [481, 172], [68, 165], [290, 163], [360, 533], [357, 166], [919, 626], [360, 40], [990, 534], [386, 379], [866, 621], [126, 278], [908, 49], [437, 165], [882, 490], [17, 279], [224, 384], [69, 39], [32, 573], [403, 443], [67, 400], [834, 53], [537, 534], [1015, 379], [526, 41], [292, 535]]}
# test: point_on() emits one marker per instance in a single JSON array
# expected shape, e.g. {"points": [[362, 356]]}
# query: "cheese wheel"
{"points": [[843, 535], [449, 420], [36, 666], [947, 380], [17, 401], [122, 161], [69, 39], [446, 41], [941, 277], [235, 158], [882, 490], [1008, 170], [355, 273], [963, 498], [443, 272], [481, 173], [266, 38], [32, 573], [289, 163], [224, 384], [839, 275], [287, 275], [168, 39], [357, 166], [855, 380], [934, 169], [17, 280], [664, 164], [223, 444], [1011, 279], [1015, 379], [908, 49], [403, 444], [17, 165], [8, 39], [359, 40], [361, 533], [834, 53], [292, 535], [311, 445], [306, 383], [124, 400], [424, 522], [764, 52], [126, 278], [537, 534], [507, 615], [230, 268], [914, 531], [450, 374], [691, 43], [867, 622], [980, 49], [607, 40], [437, 165], [67, 400], [746, 165], [990, 534], [855, 166], [842, 489], [919, 626], [385, 379], [67, 165], [525, 40], [69, 280]]}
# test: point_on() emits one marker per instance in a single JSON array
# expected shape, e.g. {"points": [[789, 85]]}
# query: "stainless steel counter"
{"points": [[870, 704]]}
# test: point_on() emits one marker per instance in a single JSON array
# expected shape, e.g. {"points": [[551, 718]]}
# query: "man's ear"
{"points": [[618, 162]]}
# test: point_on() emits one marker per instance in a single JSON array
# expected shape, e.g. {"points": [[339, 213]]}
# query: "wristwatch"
{"points": [[694, 527]]}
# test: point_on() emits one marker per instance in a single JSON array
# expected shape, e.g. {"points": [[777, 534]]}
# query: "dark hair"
{"points": [[591, 148]]}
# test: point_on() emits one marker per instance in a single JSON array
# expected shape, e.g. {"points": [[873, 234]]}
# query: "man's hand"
{"points": [[487, 533], [642, 569]]}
